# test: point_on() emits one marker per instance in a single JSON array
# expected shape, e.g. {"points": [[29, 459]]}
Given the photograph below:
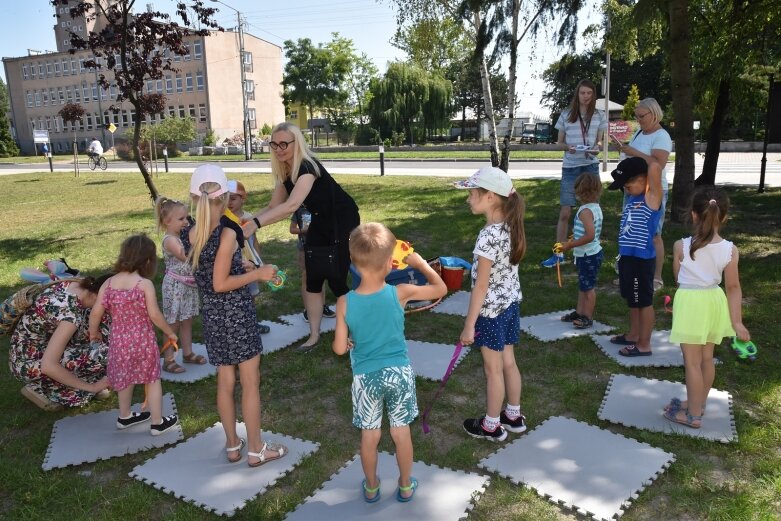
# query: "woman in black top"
{"points": [[301, 179]]}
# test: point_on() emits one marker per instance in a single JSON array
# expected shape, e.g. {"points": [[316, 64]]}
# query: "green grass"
{"points": [[52, 215]]}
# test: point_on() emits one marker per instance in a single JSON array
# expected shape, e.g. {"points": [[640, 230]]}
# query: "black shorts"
{"points": [[636, 277]]}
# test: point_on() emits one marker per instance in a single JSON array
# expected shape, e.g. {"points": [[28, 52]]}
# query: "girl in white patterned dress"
{"points": [[180, 293]]}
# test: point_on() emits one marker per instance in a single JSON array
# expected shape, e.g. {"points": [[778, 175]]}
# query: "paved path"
{"points": [[733, 168]]}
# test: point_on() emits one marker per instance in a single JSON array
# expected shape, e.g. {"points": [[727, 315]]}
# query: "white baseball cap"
{"points": [[208, 173], [490, 178]]}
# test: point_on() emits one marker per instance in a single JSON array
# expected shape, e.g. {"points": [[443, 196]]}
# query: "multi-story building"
{"points": [[206, 87]]}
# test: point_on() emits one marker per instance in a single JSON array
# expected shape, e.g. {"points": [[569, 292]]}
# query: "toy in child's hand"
{"points": [[558, 248], [278, 281], [745, 350], [400, 252], [170, 343]]}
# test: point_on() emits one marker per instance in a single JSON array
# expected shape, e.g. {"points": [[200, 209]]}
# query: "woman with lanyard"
{"points": [[581, 130], [651, 141]]}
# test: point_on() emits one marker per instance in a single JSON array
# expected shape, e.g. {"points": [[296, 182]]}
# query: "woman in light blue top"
{"points": [[586, 248]]}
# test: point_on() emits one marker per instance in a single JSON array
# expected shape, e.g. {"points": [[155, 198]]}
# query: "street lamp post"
{"points": [[245, 113]]}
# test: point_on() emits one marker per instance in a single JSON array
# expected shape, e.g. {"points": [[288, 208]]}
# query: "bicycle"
{"points": [[100, 162]]}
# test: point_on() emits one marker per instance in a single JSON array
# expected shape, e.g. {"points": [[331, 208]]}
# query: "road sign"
{"points": [[40, 136], [112, 127]]}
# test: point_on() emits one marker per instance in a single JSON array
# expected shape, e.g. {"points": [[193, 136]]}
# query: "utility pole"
{"points": [[606, 139]]}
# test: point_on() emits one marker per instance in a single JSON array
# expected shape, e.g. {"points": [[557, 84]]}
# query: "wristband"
{"points": [[257, 222]]}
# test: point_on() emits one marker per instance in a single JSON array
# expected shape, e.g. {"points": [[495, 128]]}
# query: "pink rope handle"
{"points": [[448, 372]]}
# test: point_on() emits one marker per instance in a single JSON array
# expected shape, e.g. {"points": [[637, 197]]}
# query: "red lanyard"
{"points": [[584, 128]]}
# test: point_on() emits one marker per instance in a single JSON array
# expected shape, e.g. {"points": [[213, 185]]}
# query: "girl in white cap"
{"points": [[230, 328], [493, 318]]}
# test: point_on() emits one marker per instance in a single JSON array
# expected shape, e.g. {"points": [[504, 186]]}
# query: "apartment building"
{"points": [[206, 87]]}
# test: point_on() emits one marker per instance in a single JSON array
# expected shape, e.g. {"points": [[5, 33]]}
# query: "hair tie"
{"points": [[713, 202]]}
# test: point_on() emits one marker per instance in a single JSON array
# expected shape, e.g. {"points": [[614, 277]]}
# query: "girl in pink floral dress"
{"points": [[133, 358]]}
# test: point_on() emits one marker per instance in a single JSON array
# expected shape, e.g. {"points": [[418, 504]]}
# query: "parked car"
{"points": [[527, 136]]}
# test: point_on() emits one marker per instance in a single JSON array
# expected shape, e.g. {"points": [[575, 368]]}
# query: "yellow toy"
{"points": [[400, 252]]}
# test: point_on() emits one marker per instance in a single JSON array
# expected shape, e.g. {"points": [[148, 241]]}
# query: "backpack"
{"points": [[14, 306]]}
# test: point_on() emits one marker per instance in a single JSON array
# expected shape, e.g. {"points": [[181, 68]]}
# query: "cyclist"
{"points": [[95, 149]]}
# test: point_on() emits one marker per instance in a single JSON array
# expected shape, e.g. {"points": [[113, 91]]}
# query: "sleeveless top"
{"points": [[579, 231], [376, 324], [638, 224], [704, 271]]}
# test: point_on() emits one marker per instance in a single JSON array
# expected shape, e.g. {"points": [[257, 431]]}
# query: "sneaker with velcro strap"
{"points": [[134, 419], [516, 425], [167, 424], [474, 427]]}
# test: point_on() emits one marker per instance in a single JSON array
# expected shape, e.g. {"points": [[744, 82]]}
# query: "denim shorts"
{"points": [[393, 387], [504, 330], [588, 270], [568, 177]]}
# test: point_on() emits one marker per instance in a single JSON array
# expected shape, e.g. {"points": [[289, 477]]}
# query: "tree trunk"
{"points": [[137, 152], [505, 161], [680, 78], [487, 99], [708, 175]]}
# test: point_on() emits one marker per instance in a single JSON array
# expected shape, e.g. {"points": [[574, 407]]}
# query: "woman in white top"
{"points": [[652, 142]]}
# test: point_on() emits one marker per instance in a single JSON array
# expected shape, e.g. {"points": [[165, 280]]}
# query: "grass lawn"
{"points": [[307, 396]]}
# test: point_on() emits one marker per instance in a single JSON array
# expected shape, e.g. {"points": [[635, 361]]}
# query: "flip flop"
{"points": [[367, 490], [621, 340], [632, 350]]}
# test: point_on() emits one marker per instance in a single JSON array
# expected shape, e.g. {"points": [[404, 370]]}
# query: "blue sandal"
{"points": [[413, 485], [375, 491], [688, 422]]}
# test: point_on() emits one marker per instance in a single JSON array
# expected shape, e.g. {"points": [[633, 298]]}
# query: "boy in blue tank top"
{"points": [[370, 324], [643, 182]]}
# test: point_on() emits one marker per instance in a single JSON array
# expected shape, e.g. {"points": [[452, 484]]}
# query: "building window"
{"points": [[113, 91], [85, 92], [33, 71], [198, 49], [191, 111], [150, 86], [25, 71], [89, 120], [125, 118], [29, 98], [48, 69], [56, 68], [61, 95], [294, 115], [247, 61], [202, 112], [65, 68], [66, 41], [56, 123], [76, 94], [199, 80], [37, 99], [94, 92], [48, 123], [68, 95], [159, 86], [171, 111], [249, 87], [169, 85], [45, 95], [178, 83], [189, 82], [81, 64], [182, 113], [41, 70], [73, 66], [251, 117], [187, 56], [103, 94]]}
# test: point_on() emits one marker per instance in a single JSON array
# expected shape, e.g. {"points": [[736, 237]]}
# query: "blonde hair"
{"points": [[371, 245], [203, 218], [588, 187], [163, 208], [301, 153], [652, 106]]}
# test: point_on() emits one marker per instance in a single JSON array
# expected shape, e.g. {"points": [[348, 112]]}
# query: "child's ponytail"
{"points": [[710, 206], [203, 224], [514, 208]]}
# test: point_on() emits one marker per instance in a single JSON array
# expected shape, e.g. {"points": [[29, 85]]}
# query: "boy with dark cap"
{"points": [[643, 182]]}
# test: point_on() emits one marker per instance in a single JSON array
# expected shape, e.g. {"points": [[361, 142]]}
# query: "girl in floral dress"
{"points": [[180, 294], [228, 313], [129, 297]]}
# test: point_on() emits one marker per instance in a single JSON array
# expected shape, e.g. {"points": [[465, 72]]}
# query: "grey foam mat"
{"points": [[549, 327], [455, 304], [91, 437], [430, 360], [581, 467], [665, 353], [639, 402], [442, 495], [282, 335], [297, 319], [197, 471], [193, 372]]}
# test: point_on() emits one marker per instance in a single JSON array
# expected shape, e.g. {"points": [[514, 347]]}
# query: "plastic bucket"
{"points": [[452, 277]]}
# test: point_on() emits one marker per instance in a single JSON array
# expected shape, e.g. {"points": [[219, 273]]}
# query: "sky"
{"points": [[371, 25]]}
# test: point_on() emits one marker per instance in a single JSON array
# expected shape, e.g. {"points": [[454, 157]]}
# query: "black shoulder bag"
{"points": [[322, 262]]}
